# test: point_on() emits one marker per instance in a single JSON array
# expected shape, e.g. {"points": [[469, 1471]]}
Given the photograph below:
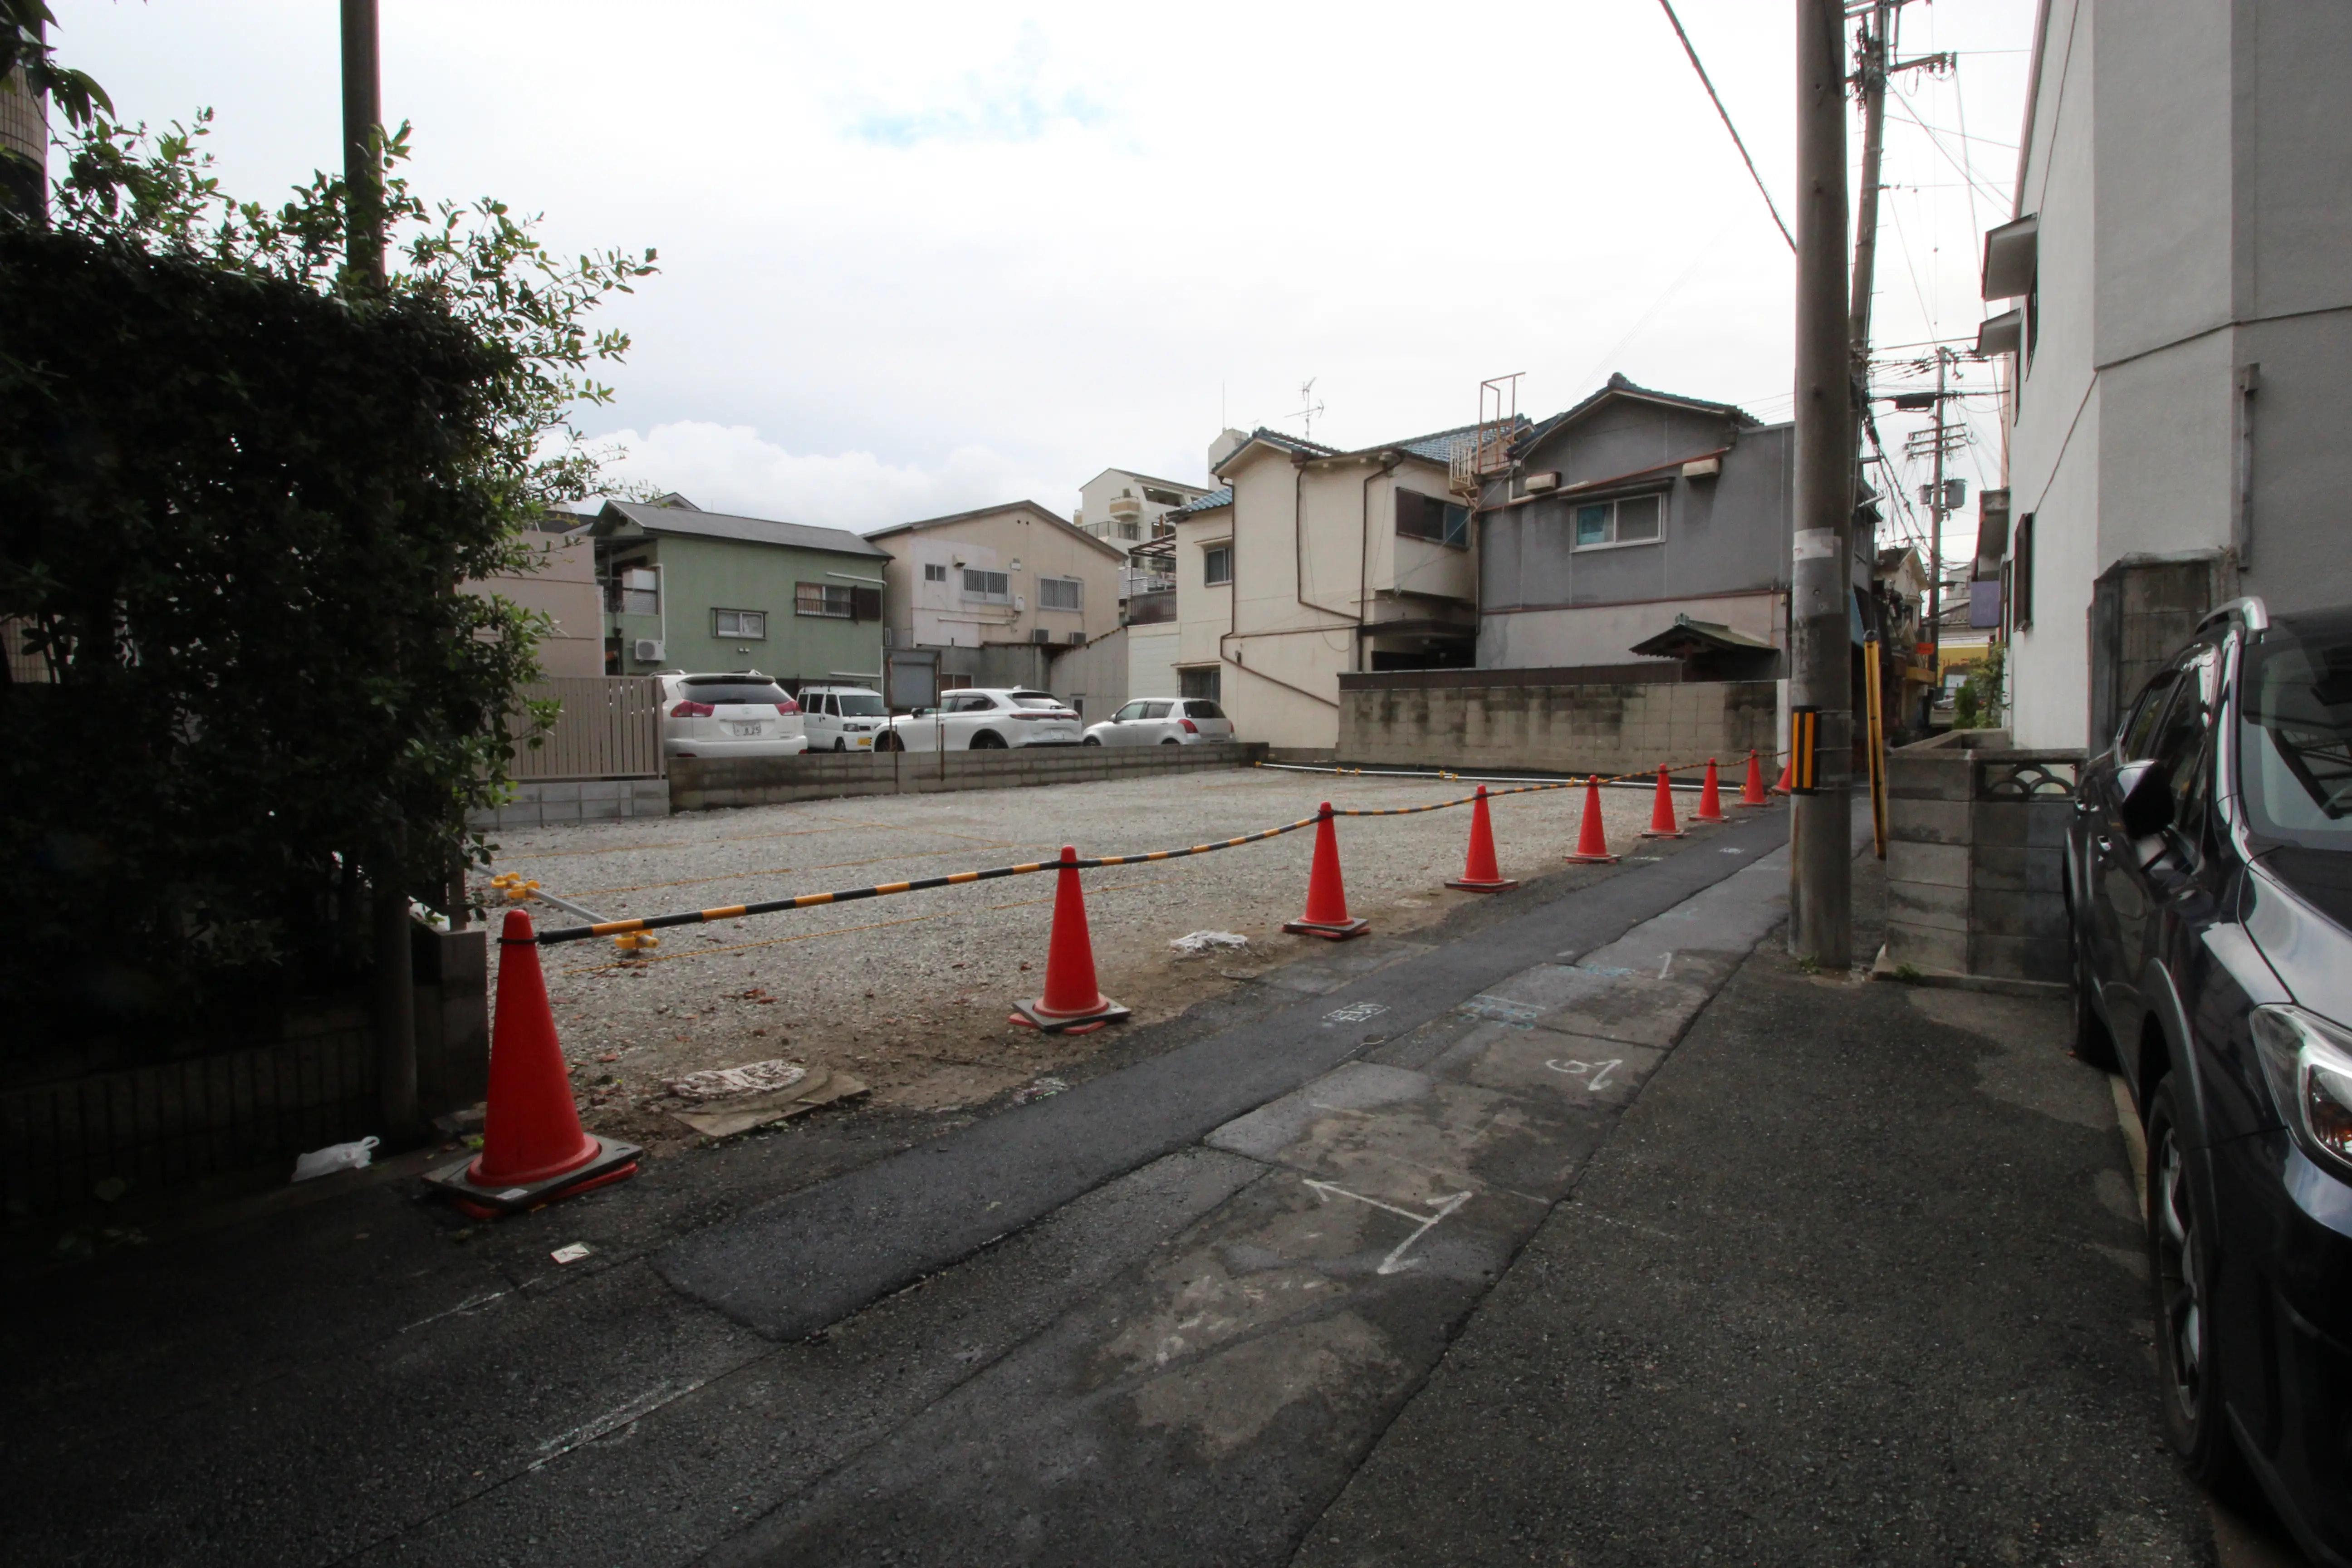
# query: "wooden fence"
{"points": [[610, 729]]}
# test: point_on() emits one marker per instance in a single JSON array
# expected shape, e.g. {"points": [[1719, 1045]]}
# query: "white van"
{"points": [[842, 718]]}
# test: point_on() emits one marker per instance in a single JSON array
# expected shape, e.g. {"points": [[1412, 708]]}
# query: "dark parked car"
{"points": [[2209, 875]]}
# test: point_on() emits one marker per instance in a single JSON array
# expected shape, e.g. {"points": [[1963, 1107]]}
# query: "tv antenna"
{"points": [[1308, 408]]}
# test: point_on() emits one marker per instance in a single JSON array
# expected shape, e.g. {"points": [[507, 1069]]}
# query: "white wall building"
{"points": [[2179, 273]]}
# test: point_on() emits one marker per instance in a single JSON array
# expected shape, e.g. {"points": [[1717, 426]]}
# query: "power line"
{"points": [[1726, 115]]}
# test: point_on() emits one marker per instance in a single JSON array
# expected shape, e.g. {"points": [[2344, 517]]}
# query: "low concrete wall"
{"points": [[1608, 728], [544, 804], [1976, 857], [703, 783]]}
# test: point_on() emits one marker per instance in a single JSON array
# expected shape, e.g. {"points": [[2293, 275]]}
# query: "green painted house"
{"points": [[701, 591]]}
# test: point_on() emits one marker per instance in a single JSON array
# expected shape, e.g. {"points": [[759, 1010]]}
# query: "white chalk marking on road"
{"points": [[613, 1420], [1396, 1262], [465, 1306], [1356, 1013], [1574, 1068], [1669, 964]]}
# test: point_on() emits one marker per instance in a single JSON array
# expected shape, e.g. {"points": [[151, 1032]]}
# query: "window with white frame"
{"points": [[987, 587], [1628, 520], [1061, 593], [747, 624], [1217, 565], [935, 572], [822, 599]]}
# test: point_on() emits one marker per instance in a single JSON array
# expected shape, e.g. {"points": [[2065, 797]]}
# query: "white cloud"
{"points": [[730, 467]]}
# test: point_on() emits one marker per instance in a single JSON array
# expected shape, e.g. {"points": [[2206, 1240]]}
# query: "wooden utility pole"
{"points": [[1935, 540], [395, 964], [1821, 571]]}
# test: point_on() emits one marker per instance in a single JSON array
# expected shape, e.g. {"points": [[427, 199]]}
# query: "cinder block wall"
{"points": [[703, 783], [1976, 857], [1607, 729], [545, 803]]}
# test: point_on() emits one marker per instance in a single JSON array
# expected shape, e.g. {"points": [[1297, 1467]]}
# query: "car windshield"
{"points": [[2295, 734], [718, 691], [1036, 700], [858, 704]]}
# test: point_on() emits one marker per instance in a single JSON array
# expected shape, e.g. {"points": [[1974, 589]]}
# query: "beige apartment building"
{"points": [[561, 582], [1000, 575]]}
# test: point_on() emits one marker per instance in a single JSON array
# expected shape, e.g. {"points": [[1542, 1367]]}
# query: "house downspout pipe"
{"points": [[1389, 461]]}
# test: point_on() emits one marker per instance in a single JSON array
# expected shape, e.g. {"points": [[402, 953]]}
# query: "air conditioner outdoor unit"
{"points": [[1077, 638], [1041, 635], [649, 650]]}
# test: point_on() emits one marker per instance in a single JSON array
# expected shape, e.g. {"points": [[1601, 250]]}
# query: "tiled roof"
{"points": [[1048, 513], [1209, 502], [1620, 385], [749, 529]]}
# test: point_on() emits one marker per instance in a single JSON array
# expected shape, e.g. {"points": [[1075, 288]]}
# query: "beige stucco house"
{"points": [[561, 583], [1313, 562]]}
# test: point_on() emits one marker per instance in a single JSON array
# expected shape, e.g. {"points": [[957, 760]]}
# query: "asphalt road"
{"points": [[1621, 1245]]}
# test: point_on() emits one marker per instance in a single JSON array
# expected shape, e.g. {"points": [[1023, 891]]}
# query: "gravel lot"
{"points": [[910, 993]]}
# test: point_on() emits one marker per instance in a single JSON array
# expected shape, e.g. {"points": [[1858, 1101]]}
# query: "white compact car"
{"points": [[1162, 722], [985, 719], [743, 714], [842, 717]]}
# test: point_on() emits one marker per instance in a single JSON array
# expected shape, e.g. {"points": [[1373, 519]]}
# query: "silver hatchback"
{"points": [[742, 714]]}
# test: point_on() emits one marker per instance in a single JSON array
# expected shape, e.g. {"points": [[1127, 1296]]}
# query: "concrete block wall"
{"points": [[1976, 857], [545, 803], [1604, 728], [701, 784]]}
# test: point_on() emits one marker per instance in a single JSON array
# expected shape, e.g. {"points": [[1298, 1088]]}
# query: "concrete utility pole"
{"points": [[1870, 77], [1821, 574], [395, 964], [1935, 540]]}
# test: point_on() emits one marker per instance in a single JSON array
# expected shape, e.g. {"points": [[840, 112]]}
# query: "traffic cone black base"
{"points": [[1338, 931], [614, 1161], [1031, 1016], [1500, 885]]}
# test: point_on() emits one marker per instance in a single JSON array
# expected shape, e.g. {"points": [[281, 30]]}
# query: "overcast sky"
{"points": [[920, 257]]}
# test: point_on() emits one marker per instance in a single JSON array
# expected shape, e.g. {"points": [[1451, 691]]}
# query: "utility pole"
{"points": [[395, 964], [1821, 570], [1870, 78], [1935, 540]]}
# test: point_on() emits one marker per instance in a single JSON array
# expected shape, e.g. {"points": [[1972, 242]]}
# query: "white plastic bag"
{"points": [[334, 1157]]}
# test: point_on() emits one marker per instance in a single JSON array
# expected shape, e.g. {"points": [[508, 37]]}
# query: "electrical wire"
{"points": [[1770, 205]]}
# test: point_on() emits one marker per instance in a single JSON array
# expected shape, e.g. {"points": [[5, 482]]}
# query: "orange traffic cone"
{"points": [[1780, 785], [1592, 843], [1327, 895], [1662, 813], [1751, 789], [1073, 1003], [1710, 804], [534, 1150], [1480, 872]]}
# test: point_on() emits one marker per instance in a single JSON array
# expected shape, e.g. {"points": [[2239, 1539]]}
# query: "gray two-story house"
{"points": [[1636, 525]]}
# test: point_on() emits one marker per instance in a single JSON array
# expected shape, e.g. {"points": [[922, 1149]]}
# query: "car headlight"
{"points": [[2308, 1062]]}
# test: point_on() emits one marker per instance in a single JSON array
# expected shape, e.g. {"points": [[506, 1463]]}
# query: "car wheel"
{"points": [[2093, 1043], [1169, 741], [2182, 1273], [1091, 741], [889, 742], [988, 740]]}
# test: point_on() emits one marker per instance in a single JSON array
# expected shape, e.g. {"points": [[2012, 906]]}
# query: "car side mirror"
{"points": [[2145, 798]]}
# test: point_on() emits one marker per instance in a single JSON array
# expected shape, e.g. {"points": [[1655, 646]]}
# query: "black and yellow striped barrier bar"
{"points": [[1030, 868], [918, 884]]}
